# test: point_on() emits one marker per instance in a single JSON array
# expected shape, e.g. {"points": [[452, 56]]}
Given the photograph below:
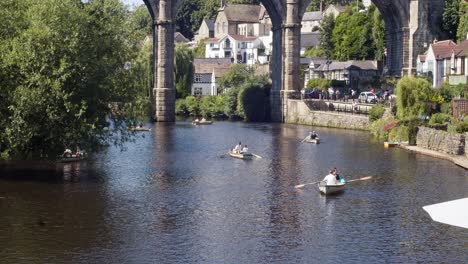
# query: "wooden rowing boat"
{"points": [[313, 141], [202, 123], [331, 189], [139, 129], [72, 158], [245, 156]]}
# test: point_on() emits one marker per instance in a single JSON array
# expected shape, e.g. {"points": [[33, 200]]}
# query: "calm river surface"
{"points": [[171, 197]]}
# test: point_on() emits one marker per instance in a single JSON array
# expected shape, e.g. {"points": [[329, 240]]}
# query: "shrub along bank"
{"points": [[242, 96]]}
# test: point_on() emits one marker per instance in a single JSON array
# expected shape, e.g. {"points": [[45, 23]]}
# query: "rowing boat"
{"points": [[313, 141], [331, 189], [390, 144], [202, 122], [139, 129], [71, 158], [245, 156]]}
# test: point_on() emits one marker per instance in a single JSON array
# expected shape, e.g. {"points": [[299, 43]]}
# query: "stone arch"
{"points": [[410, 26]]}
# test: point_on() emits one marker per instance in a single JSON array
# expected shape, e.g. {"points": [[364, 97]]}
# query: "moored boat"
{"points": [[72, 158], [331, 189], [390, 144], [139, 129], [202, 122], [313, 141], [246, 156]]}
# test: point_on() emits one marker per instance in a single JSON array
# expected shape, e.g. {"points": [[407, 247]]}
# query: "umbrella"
{"points": [[452, 213]]}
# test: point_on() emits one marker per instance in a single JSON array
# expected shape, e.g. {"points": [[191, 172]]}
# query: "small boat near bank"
{"points": [[313, 141], [331, 189], [391, 144], [72, 158], [139, 129], [202, 122], [245, 156]]}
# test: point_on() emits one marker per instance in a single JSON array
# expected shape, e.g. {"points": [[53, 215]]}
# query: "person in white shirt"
{"points": [[237, 148], [330, 179], [245, 149], [203, 119]]}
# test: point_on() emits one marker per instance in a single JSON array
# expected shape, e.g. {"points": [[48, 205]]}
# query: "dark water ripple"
{"points": [[174, 197]]}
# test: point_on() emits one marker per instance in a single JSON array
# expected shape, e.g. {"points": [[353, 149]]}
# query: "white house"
{"points": [[240, 49], [444, 61], [206, 30], [311, 20], [207, 71]]}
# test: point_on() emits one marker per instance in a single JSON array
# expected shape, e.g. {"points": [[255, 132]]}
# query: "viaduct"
{"points": [[410, 26]]}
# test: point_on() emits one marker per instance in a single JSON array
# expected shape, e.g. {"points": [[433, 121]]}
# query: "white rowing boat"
{"points": [[139, 129], [313, 141], [245, 156], [202, 122], [331, 189]]}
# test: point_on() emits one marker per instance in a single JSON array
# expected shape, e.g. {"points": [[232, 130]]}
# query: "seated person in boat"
{"points": [[330, 179], [203, 120], [245, 149], [67, 153], [196, 120], [237, 148], [337, 176], [313, 135]]}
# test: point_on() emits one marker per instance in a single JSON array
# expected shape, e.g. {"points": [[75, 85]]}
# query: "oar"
{"points": [[304, 139], [257, 156], [360, 179]]}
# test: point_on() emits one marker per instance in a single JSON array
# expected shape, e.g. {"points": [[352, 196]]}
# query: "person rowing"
{"points": [[313, 135], [330, 179], [237, 148]]}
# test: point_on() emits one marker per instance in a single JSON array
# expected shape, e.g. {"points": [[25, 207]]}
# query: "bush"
{"points": [[376, 112], [212, 106], [462, 127], [318, 83], [253, 102], [181, 108], [446, 108], [439, 118], [413, 95]]}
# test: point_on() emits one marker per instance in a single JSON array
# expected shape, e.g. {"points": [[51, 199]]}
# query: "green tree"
{"points": [[199, 51], [451, 17], [184, 69], [62, 65], [253, 101], [413, 96], [463, 21], [326, 35]]}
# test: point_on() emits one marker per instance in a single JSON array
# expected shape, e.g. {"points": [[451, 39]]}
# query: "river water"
{"points": [[173, 197]]}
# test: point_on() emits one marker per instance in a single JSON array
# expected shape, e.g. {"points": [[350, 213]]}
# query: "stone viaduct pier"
{"points": [[410, 26]]}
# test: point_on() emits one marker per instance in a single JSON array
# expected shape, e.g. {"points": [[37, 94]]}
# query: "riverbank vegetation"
{"points": [[71, 72], [418, 104], [242, 96]]}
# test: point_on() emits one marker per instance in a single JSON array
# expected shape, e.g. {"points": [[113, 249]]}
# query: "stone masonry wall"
{"points": [[441, 141], [299, 113]]}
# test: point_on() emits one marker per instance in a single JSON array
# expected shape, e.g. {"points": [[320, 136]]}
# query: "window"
{"points": [[251, 56], [227, 44], [197, 91], [197, 78], [211, 45]]}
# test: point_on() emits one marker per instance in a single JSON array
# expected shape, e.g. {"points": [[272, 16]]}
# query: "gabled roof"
{"points": [[210, 24], [179, 38], [310, 39], [209, 65], [263, 13], [235, 37], [242, 13], [312, 16], [462, 49], [443, 49], [345, 65]]}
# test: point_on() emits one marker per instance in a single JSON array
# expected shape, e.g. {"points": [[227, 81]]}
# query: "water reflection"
{"points": [[174, 197]]}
